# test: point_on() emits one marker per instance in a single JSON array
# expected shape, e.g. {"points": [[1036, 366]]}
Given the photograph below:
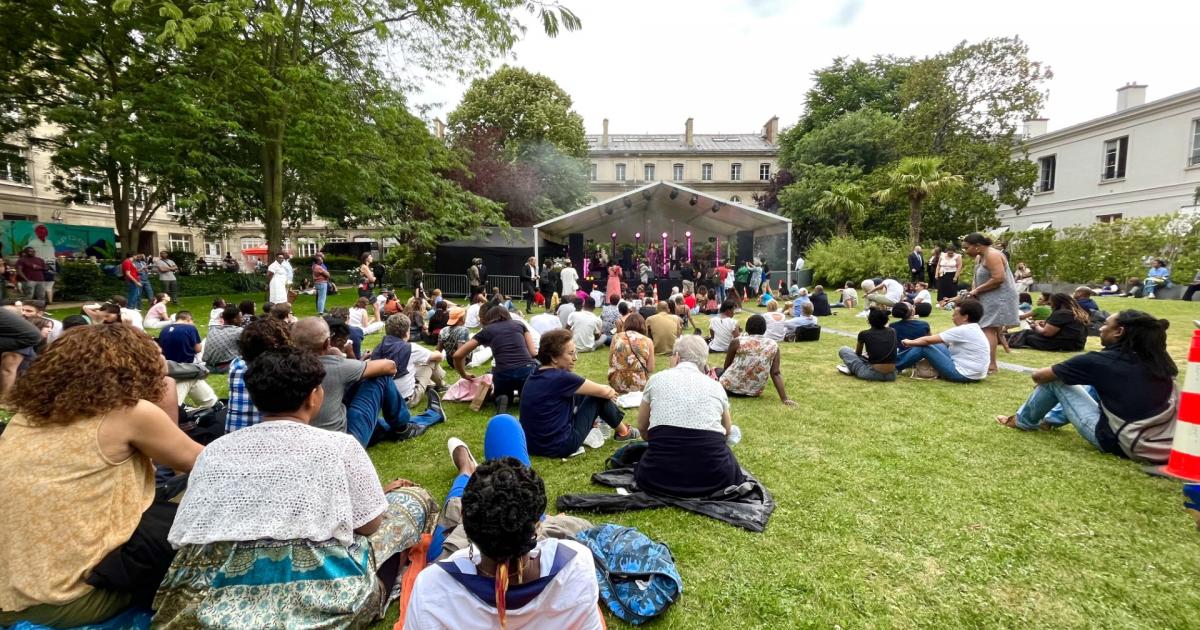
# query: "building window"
{"points": [[677, 172], [14, 164], [250, 242], [1109, 218], [1046, 169], [649, 172], [306, 247], [706, 172], [179, 242], [735, 199], [212, 250], [1115, 151], [594, 171], [735, 172], [620, 172], [90, 189], [764, 171], [1195, 159]]}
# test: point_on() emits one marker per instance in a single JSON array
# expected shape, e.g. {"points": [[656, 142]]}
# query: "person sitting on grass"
{"points": [[663, 327], [256, 338], [1083, 297], [498, 568], [34, 312], [437, 321], [1109, 287], [776, 322], [805, 318], [1131, 379], [324, 538], [221, 346], [180, 341], [685, 417], [751, 358], [820, 302], [85, 536], [157, 316], [453, 334], [848, 297], [879, 343], [631, 360], [358, 393], [907, 325], [587, 327], [417, 369], [922, 301], [960, 354], [98, 313], [884, 293], [214, 315], [360, 317], [282, 312], [1065, 330], [723, 328], [19, 341], [802, 298], [559, 408]]}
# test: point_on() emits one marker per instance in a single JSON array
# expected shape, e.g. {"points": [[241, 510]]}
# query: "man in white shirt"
{"points": [[922, 295], [585, 327], [799, 263], [277, 280], [961, 354], [887, 293], [545, 322], [472, 318], [723, 328]]}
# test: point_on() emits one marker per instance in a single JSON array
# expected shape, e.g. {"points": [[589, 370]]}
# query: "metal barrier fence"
{"points": [[456, 284]]}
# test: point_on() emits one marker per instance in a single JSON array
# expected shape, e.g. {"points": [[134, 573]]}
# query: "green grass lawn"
{"points": [[899, 505]]}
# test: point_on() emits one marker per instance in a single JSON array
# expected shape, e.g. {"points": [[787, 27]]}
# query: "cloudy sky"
{"points": [[647, 65]]}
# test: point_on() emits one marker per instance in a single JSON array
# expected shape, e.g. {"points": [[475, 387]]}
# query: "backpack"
{"points": [[637, 576], [1097, 318], [1148, 440]]}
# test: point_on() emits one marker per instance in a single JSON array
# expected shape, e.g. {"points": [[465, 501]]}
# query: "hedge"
{"points": [[79, 281]]}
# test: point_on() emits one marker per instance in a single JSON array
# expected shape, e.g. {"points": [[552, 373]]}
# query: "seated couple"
{"points": [[881, 343], [960, 354], [1103, 394], [1064, 330]]}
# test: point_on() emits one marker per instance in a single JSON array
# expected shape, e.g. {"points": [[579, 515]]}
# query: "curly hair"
{"points": [[501, 507], [261, 335], [280, 380], [90, 371]]}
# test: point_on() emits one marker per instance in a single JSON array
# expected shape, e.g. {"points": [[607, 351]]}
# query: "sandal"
{"points": [[1007, 421]]}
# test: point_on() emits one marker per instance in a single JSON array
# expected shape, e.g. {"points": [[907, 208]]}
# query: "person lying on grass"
{"points": [[559, 407], [751, 359], [960, 354], [324, 537], [879, 342], [1131, 379]]}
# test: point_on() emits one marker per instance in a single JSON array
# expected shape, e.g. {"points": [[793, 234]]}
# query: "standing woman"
{"points": [[931, 266], [366, 277], [949, 267], [614, 280], [995, 289]]}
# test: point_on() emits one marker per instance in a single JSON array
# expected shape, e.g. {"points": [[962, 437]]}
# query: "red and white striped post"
{"points": [[1184, 461]]}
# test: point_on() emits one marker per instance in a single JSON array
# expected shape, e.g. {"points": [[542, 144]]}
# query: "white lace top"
{"points": [[279, 480]]}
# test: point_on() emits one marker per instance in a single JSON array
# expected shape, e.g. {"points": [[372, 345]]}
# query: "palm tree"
{"points": [[917, 179], [842, 203]]}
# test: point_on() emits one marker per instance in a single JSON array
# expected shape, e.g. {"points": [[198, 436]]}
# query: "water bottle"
{"points": [[735, 435]]}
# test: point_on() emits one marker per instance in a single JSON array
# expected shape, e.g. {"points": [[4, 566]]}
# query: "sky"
{"points": [[648, 65]]}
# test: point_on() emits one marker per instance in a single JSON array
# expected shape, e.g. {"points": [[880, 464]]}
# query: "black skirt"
{"points": [[687, 463]]}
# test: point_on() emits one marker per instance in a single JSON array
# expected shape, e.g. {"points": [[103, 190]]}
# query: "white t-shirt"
{"points": [[584, 325], [133, 317], [380, 301], [564, 313], [893, 290], [922, 296], [358, 317], [279, 480], [569, 600], [969, 349], [722, 331], [776, 326], [472, 316], [598, 296], [545, 322], [214, 316], [419, 356]]}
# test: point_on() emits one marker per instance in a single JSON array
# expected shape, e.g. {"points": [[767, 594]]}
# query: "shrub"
{"points": [[845, 259], [186, 261], [332, 262], [85, 281]]}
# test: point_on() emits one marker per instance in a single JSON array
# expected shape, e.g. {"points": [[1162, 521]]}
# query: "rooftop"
{"points": [[702, 143]]}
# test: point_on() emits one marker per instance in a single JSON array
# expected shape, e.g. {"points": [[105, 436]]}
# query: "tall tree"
{"points": [[89, 84], [916, 179], [850, 85], [524, 119], [282, 61], [842, 203]]}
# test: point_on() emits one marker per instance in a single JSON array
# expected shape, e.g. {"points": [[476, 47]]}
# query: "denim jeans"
{"points": [[147, 290], [369, 398], [510, 382], [322, 292], [860, 368], [1059, 404], [133, 294], [938, 356], [720, 291], [1149, 287]]}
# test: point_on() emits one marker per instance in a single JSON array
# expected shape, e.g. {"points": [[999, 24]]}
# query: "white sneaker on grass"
{"points": [[844, 369]]}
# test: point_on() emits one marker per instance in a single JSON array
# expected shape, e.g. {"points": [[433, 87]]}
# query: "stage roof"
{"points": [[652, 211]]}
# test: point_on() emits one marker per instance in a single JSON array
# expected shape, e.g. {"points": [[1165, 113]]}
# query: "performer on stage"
{"points": [[614, 281]]}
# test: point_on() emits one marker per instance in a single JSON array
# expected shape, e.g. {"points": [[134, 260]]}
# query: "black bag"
{"points": [[204, 425], [1097, 318]]}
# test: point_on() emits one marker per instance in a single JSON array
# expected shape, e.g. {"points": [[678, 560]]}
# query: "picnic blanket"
{"points": [[747, 505]]}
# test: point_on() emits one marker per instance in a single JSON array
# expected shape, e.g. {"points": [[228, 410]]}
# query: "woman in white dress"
{"points": [[277, 278], [570, 280]]}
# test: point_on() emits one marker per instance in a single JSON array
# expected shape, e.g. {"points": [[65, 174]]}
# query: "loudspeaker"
{"points": [[745, 247], [575, 251]]}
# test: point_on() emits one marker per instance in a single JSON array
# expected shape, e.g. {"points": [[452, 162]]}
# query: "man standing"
{"points": [[916, 264], [529, 279], [31, 273], [320, 277], [166, 275], [741, 279], [143, 268], [133, 284], [473, 277], [570, 281], [287, 268]]}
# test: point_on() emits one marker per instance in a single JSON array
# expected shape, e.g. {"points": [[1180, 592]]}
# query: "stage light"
{"points": [[628, 202], [664, 235], [694, 200], [688, 234], [674, 193], [613, 235], [637, 235], [716, 207]]}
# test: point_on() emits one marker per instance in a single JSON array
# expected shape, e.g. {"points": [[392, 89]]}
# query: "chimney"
{"points": [[439, 129], [771, 130], [1130, 95], [604, 136], [1035, 127], [687, 133]]}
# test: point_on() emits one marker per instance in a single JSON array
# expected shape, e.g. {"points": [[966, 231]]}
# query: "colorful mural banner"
{"points": [[53, 240]]}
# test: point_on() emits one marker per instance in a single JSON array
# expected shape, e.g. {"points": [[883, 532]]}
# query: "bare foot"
{"points": [[1008, 421]]}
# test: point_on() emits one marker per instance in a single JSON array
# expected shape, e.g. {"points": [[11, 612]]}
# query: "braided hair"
{"points": [[501, 507], [1145, 337]]}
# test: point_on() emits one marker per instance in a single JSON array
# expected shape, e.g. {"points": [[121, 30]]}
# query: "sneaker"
{"points": [[594, 439], [863, 313], [1150, 297], [454, 444], [501, 404], [435, 403], [628, 437], [844, 369], [406, 432], [578, 452]]}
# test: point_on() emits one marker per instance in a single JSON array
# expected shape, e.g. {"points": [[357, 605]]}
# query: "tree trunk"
{"points": [[914, 221], [272, 172], [128, 232], [842, 226]]}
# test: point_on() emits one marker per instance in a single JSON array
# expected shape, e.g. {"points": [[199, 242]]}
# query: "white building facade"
{"points": [[1142, 160]]}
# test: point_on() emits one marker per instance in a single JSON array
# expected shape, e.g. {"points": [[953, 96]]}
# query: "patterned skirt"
{"points": [[291, 583]]}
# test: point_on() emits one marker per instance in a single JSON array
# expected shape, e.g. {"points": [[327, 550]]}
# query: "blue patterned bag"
{"points": [[637, 576]]}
